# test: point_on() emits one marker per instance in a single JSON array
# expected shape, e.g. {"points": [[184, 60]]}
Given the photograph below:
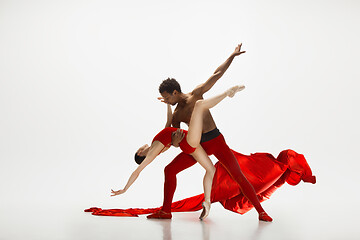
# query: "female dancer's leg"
{"points": [[193, 139], [196, 122], [203, 159]]}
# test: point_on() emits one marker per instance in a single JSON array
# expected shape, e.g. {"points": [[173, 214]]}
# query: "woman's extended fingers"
{"points": [[114, 193], [121, 191]]}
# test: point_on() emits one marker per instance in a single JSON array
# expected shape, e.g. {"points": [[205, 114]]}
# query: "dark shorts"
{"points": [[210, 135]]}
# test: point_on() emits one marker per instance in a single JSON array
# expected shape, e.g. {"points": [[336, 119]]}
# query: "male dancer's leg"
{"points": [[180, 163], [228, 160]]}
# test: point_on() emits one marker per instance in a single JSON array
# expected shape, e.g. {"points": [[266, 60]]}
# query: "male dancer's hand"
{"points": [[238, 51], [177, 137], [114, 193], [161, 99]]}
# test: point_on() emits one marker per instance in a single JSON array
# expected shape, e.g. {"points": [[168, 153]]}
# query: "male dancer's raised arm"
{"points": [[219, 72], [171, 94]]}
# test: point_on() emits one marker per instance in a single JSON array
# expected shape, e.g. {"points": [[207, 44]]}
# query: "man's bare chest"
{"points": [[183, 113]]}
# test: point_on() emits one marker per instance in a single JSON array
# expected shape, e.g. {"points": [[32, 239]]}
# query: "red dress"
{"points": [[265, 172], [165, 138]]}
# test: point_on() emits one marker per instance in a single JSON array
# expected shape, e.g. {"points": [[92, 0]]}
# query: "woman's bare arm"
{"points": [[155, 149]]}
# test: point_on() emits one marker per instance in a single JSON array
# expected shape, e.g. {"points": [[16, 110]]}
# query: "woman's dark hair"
{"points": [[139, 159], [169, 85]]}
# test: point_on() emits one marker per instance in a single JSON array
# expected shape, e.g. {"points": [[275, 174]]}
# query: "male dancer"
{"points": [[212, 140]]}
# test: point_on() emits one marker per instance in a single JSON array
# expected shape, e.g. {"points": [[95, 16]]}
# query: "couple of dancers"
{"points": [[202, 139]]}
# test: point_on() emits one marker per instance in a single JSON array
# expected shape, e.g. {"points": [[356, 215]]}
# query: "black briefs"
{"points": [[210, 135]]}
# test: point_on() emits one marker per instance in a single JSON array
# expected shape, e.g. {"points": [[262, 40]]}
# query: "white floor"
{"points": [[293, 220]]}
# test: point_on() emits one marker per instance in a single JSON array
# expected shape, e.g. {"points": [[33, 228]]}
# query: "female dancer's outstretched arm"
{"points": [[155, 148]]}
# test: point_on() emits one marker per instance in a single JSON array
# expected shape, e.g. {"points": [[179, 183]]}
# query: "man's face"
{"points": [[170, 98]]}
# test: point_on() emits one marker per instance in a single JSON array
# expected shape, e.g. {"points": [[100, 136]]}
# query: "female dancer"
{"points": [[190, 145]]}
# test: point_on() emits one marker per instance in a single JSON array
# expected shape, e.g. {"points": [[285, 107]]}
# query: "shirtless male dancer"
{"points": [[212, 140]]}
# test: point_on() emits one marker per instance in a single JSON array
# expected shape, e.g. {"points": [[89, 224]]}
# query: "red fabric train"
{"points": [[263, 171]]}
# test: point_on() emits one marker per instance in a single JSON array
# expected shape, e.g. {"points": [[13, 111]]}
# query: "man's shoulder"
{"points": [[198, 91], [194, 96]]}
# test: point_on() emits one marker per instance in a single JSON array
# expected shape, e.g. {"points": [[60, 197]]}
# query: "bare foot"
{"points": [[205, 211], [231, 92]]}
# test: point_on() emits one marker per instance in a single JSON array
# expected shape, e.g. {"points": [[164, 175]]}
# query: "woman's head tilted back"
{"points": [[139, 159], [141, 153]]}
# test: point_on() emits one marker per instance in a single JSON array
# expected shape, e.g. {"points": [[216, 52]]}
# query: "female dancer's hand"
{"points": [[114, 193]]}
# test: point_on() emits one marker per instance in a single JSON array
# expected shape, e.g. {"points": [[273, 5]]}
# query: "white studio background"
{"points": [[79, 86]]}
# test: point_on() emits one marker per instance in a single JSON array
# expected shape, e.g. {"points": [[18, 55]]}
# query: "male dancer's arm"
{"points": [[169, 116], [178, 135], [219, 72]]}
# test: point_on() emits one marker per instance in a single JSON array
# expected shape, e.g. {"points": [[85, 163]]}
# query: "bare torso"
{"points": [[184, 109]]}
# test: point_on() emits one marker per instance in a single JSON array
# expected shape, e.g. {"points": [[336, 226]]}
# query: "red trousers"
{"points": [[222, 152]]}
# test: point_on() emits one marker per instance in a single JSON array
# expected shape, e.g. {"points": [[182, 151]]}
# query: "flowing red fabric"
{"points": [[265, 172]]}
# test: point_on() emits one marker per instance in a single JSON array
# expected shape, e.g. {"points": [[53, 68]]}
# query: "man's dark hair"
{"points": [[139, 159], [169, 85]]}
